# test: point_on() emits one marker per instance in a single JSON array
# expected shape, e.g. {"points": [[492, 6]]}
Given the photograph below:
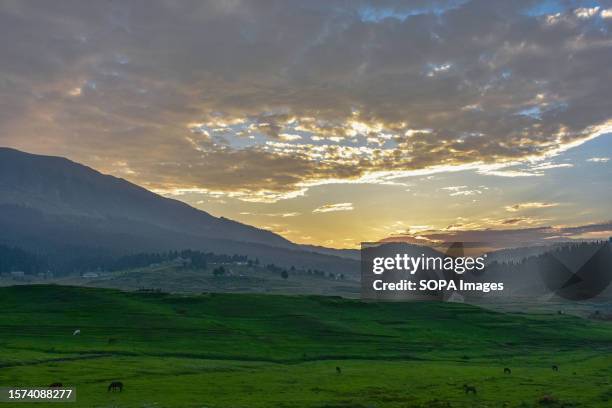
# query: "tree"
{"points": [[284, 274], [15, 259], [220, 271]]}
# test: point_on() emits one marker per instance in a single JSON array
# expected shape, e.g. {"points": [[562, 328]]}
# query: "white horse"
{"points": [[76, 332]]}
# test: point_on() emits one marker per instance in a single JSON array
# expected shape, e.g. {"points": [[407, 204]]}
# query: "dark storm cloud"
{"points": [[123, 81]]}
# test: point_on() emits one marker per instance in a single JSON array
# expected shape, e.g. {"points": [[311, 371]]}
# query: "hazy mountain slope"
{"points": [[58, 186], [48, 203]]}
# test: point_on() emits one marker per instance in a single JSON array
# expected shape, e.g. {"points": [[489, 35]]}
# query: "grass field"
{"points": [[169, 278], [246, 350]]}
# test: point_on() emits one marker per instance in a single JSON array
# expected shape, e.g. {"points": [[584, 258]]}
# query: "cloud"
{"points": [[282, 215], [599, 159], [530, 205], [510, 173], [334, 207], [463, 190], [531, 168], [454, 188], [289, 138], [510, 233], [260, 101], [550, 165], [586, 12]]}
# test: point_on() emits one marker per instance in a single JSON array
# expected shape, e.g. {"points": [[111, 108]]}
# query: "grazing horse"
{"points": [[56, 385], [555, 367], [115, 385], [76, 332], [469, 388], [338, 370], [507, 371]]}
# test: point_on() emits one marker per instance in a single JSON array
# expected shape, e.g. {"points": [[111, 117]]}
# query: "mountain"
{"points": [[53, 204]]}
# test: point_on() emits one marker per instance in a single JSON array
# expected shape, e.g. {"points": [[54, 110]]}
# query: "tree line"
{"points": [[66, 262], [15, 259], [572, 255]]}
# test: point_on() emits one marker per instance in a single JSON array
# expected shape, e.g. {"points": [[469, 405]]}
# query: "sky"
{"points": [[328, 122]]}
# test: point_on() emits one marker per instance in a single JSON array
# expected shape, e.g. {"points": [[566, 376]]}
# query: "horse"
{"points": [[555, 367], [469, 388], [115, 385], [338, 370], [507, 371], [56, 385]]}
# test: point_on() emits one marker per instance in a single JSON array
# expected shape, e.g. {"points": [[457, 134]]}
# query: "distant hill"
{"points": [[53, 204]]}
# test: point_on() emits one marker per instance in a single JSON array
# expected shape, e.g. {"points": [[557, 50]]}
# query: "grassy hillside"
{"points": [[244, 350], [239, 279]]}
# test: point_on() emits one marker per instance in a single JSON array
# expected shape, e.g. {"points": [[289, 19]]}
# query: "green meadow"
{"points": [[249, 350]]}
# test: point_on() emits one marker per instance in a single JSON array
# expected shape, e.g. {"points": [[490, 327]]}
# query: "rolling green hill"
{"points": [[243, 350]]}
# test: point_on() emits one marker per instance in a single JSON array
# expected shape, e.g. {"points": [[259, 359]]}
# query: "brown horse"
{"points": [[115, 385], [507, 371], [338, 370], [469, 388], [555, 367]]}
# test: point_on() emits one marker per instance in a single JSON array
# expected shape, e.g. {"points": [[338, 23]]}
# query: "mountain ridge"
{"points": [[75, 203]]}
